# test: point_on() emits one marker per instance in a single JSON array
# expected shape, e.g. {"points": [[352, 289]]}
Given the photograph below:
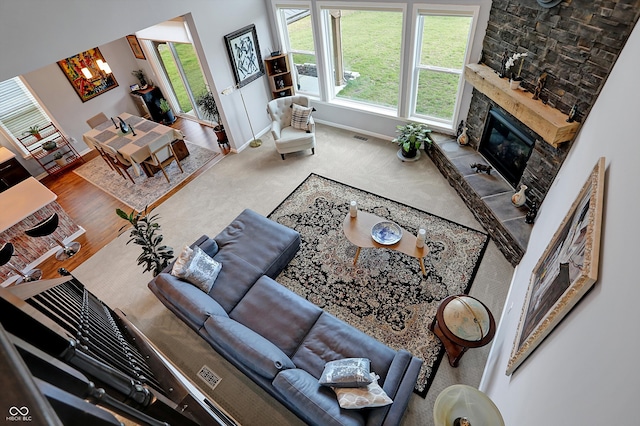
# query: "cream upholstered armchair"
{"points": [[292, 126]]}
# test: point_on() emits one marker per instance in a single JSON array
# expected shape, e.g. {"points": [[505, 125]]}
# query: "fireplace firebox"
{"points": [[506, 146]]}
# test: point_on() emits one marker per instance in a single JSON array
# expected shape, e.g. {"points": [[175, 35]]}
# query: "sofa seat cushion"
{"points": [[317, 403], [276, 313], [187, 299], [251, 349], [265, 244], [330, 339]]}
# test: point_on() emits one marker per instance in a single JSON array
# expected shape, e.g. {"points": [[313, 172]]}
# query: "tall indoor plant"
{"points": [[411, 136], [146, 233], [209, 108]]}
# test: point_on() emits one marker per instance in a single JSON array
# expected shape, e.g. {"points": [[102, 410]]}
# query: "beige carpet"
{"points": [[259, 179]]}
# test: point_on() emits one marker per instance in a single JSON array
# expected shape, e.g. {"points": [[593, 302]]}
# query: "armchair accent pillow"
{"points": [[196, 267], [346, 373], [370, 396], [300, 116]]}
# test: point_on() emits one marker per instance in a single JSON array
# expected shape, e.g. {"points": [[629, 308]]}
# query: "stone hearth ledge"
{"points": [[488, 196]]}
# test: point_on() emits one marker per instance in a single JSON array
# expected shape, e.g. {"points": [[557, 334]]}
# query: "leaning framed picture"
{"points": [[244, 54], [86, 76], [567, 269], [135, 47]]}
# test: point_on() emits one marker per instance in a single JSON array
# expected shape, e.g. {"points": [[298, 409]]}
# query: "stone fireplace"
{"points": [[506, 146]]}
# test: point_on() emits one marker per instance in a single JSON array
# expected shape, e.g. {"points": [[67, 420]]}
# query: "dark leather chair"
{"points": [[46, 228], [6, 252]]}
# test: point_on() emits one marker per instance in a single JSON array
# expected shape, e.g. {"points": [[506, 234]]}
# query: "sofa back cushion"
{"points": [[267, 245], [234, 280], [330, 339], [277, 313]]}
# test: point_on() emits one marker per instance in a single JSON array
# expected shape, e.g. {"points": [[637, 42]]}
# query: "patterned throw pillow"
{"points": [[196, 267], [371, 396], [346, 373], [300, 116]]}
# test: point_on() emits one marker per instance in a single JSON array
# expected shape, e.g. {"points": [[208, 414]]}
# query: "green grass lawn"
{"points": [[371, 46], [192, 72]]}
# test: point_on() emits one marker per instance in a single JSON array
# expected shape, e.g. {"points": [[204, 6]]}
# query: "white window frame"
{"points": [[283, 37], [417, 31], [325, 39], [14, 138]]}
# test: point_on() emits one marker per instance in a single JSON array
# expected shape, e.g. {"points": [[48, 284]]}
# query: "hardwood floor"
{"points": [[94, 209]]}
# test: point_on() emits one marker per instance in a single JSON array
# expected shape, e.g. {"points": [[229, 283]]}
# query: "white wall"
{"points": [[586, 372], [34, 35]]}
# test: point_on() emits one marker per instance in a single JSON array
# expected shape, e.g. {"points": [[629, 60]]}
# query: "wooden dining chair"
{"points": [[120, 164], [94, 121], [100, 151], [161, 154]]}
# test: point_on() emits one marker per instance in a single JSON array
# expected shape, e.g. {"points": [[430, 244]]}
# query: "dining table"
{"points": [[133, 145]]}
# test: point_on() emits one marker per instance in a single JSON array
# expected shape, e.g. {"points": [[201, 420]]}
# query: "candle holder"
{"points": [[422, 234], [353, 209]]}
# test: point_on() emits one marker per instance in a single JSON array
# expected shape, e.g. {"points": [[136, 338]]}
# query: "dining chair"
{"points": [[161, 154], [96, 120], [119, 163], [100, 151]]}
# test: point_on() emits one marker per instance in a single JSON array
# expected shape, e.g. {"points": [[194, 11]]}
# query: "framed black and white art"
{"points": [[244, 54]]}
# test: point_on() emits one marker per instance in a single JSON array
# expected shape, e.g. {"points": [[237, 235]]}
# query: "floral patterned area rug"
{"points": [[146, 190], [385, 294]]}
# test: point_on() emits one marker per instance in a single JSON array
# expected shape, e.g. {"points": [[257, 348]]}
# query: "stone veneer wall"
{"points": [[576, 43]]}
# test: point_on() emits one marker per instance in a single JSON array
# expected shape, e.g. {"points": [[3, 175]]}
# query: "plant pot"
{"points": [[38, 136], [169, 117], [514, 84], [220, 134], [49, 146], [61, 161], [224, 147], [411, 153]]}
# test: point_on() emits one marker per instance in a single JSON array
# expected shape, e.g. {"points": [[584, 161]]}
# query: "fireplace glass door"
{"points": [[506, 147]]}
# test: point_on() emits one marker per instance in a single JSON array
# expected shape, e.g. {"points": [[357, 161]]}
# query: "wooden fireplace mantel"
{"points": [[546, 121]]}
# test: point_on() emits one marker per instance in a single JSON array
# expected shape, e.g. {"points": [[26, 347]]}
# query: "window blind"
{"points": [[19, 110]]}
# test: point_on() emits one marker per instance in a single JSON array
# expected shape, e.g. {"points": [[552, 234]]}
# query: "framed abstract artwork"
{"points": [[135, 47], [567, 269], [244, 54], [87, 78]]}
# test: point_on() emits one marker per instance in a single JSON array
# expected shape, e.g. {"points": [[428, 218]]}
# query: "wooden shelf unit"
{"points": [[280, 77], [46, 158], [548, 122]]}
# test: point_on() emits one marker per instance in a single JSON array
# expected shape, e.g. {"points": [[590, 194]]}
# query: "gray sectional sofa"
{"points": [[275, 337]]}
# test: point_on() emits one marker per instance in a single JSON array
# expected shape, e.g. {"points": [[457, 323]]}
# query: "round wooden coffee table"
{"points": [[358, 232]]}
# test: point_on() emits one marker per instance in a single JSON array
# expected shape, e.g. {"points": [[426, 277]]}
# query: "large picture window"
{"points": [[365, 55], [443, 40], [297, 31]]}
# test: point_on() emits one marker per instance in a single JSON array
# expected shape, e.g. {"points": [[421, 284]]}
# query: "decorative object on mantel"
{"points": [[463, 139], [567, 269], [503, 65], [515, 79], [532, 213], [519, 198], [539, 86], [481, 168], [573, 113], [410, 138]]}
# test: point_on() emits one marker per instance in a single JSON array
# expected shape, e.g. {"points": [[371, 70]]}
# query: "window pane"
{"points": [[192, 72], [300, 34], [437, 94], [371, 42], [444, 41]]}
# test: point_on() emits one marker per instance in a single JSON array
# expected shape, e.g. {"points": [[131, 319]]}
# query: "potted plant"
{"points": [[139, 74], [411, 136], [165, 109], [33, 131], [59, 158], [146, 233], [515, 79], [207, 103], [49, 145]]}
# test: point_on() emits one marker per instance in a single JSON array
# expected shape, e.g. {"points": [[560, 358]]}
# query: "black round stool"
{"points": [[48, 227], [6, 252]]}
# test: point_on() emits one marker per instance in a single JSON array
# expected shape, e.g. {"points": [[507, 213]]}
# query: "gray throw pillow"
{"points": [[196, 267], [346, 373]]}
